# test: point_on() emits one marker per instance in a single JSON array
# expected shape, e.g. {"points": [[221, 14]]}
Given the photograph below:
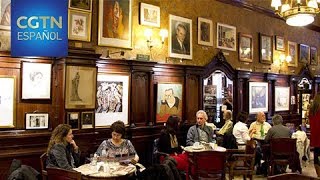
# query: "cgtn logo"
{"points": [[39, 28]]}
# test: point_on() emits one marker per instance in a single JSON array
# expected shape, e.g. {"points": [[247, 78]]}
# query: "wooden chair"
{"points": [[281, 151], [43, 160], [207, 164], [156, 154], [62, 174]]}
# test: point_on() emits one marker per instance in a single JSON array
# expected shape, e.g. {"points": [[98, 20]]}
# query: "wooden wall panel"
{"points": [[192, 98]]}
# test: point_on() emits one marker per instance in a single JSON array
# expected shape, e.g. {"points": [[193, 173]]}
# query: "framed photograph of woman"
{"points": [[293, 52], [280, 45], [149, 15], [245, 47], [37, 120], [226, 37], [112, 99], [87, 120], [5, 14], [83, 5], [36, 81], [313, 56], [258, 97], [73, 119], [7, 101], [205, 31], [304, 53], [180, 37], [266, 48], [115, 22], [282, 98], [79, 25]]}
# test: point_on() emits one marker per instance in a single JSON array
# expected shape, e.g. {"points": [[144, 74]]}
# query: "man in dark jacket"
{"points": [[278, 130]]}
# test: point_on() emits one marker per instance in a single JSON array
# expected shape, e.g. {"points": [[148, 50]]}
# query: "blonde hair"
{"points": [[314, 108], [58, 135]]}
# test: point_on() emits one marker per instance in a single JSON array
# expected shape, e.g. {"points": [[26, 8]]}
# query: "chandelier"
{"points": [[297, 12]]}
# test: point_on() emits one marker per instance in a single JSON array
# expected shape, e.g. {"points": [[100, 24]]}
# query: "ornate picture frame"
{"points": [[304, 53], [80, 87], [112, 99], [8, 101], [265, 48], [245, 47], [279, 43], [149, 15], [87, 120], [226, 37], [83, 5], [73, 119], [205, 31], [119, 34], [5, 14], [79, 25], [36, 120], [313, 56], [293, 52], [258, 97], [282, 98]]}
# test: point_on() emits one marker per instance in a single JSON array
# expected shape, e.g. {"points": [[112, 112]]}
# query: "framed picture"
{"points": [[80, 87], [5, 14], [282, 98], [266, 48], [37, 120], [313, 56], [83, 5], [115, 23], [180, 37], [5, 40], [258, 97], [87, 120], [304, 53], [245, 47], [226, 37], [169, 101], [205, 32], [293, 52], [8, 102], [149, 15], [73, 119], [279, 43], [112, 99], [36, 80], [79, 25]]}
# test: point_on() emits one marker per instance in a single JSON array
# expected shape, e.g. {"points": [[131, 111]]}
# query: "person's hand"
{"points": [[133, 161], [73, 143]]}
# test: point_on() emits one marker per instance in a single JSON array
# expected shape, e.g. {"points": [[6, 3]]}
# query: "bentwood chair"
{"points": [[62, 174], [43, 160]]}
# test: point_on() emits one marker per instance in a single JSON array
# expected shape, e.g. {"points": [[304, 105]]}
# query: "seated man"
{"points": [[228, 125], [260, 127], [200, 132]]}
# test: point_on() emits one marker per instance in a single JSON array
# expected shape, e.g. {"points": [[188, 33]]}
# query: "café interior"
{"points": [[259, 55]]}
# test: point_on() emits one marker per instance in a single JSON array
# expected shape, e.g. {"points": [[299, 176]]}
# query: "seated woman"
{"points": [[116, 146], [241, 131], [63, 151], [168, 143]]}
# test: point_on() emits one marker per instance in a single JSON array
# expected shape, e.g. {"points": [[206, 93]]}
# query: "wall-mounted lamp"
{"points": [[283, 58], [163, 34], [148, 34]]}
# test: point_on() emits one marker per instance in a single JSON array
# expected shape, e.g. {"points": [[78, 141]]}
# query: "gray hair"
{"points": [[228, 112], [277, 119], [203, 113]]}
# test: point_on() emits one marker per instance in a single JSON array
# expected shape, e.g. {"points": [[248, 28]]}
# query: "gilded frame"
{"points": [[226, 37], [149, 15], [5, 9], [80, 5], [79, 25], [304, 53], [8, 101], [205, 31], [245, 47], [279, 43], [258, 97], [265, 48], [87, 120], [293, 52], [313, 56]]}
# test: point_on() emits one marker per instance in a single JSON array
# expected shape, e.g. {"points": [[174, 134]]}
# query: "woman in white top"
{"points": [[302, 142], [240, 130]]}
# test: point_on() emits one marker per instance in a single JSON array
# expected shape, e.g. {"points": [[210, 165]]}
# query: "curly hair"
{"points": [[118, 127], [58, 135]]}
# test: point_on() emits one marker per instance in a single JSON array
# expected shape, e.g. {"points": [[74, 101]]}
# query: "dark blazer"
{"points": [[176, 48], [165, 144], [61, 156], [278, 131]]}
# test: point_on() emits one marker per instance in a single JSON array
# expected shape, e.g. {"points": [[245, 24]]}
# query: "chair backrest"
{"points": [[155, 151], [43, 161], [282, 147], [62, 174], [251, 147]]}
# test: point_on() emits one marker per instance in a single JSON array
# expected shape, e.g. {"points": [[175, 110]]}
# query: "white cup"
{"points": [[196, 144]]}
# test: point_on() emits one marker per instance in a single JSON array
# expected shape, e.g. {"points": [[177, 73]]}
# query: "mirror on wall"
{"points": [[217, 96]]}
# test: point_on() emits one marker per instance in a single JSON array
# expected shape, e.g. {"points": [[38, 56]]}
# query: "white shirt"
{"points": [[241, 132]]}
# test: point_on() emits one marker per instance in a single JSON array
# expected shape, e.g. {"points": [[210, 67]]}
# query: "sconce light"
{"points": [[163, 34], [148, 34], [283, 59]]}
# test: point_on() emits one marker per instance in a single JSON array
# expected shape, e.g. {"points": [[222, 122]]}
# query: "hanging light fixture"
{"points": [[297, 12]]}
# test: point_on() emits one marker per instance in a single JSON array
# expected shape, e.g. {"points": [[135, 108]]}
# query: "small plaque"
{"points": [[143, 57]]}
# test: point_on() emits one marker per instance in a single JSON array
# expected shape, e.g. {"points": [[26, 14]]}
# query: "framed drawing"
{"points": [[5, 40], [8, 102], [79, 25], [280, 45], [115, 23], [226, 37], [73, 119], [37, 120], [313, 56], [180, 37], [83, 5], [245, 47], [205, 32], [258, 97], [169, 101], [293, 52], [5, 14], [265, 49], [149, 15], [112, 99], [36, 80], [87, 120], [282, 98], [80, 87], [304, 53]]}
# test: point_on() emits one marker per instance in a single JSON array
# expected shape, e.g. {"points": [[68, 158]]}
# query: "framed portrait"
{"points": [[5, 14], [245, 47], [169, 101], [79, 25], [115, 22], [266, 48], [36, 80], [87, 120], [304, 53], [226, 37], [180, 37], [83, 5], [293, 52], [149, 15], [37, 120], [282, 98], [80, 87], [112, 99], [73, 119], [313, 56], [258, 97], [210, 89], [205, 32], [280, 45], [8, 102], [5, 40]]}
